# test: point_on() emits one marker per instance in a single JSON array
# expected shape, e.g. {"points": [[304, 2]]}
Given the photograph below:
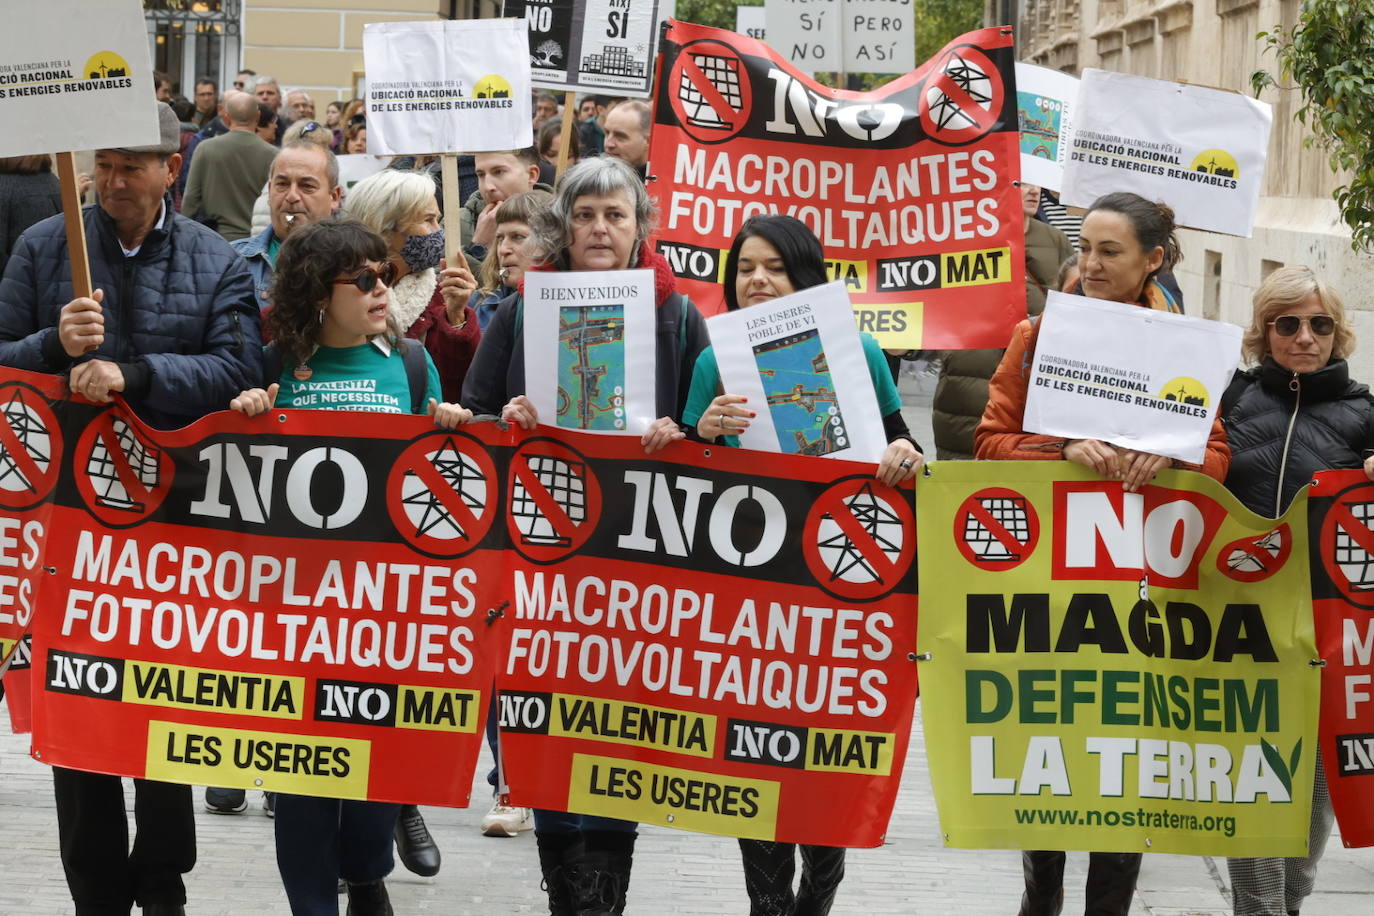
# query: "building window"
{"points": [[190, 39]]}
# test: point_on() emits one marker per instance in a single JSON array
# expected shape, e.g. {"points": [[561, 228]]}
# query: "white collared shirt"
{"points": [[161, 216]]}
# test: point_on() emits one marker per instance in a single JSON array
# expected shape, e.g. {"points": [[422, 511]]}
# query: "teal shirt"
{"points": [[371, 376], [706, 384]]}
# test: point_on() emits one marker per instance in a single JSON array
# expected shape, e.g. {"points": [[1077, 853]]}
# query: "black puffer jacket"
{"points": [[1283, 427]]}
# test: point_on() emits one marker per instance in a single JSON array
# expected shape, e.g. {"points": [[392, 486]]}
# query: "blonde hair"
{"points": [[1280, 291], [390, 200]]}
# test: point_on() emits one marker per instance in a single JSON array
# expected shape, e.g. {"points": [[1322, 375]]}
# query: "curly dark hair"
{"points": [[309, 260]]}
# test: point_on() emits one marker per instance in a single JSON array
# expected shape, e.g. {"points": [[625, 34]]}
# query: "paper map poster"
{"points": [[591, 45], [591, 367], [801, 359], [1135, 377], [589, 349], [1044, 106]]}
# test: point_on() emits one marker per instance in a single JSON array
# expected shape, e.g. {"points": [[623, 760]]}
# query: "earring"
{"points": [[321, 316]]}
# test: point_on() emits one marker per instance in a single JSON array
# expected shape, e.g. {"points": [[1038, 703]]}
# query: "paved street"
{"points": [[675, 872]]}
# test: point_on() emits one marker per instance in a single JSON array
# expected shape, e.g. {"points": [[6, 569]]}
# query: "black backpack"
{"points": [[412, 353]]}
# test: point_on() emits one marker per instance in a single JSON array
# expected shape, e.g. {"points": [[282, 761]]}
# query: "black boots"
{"points": [[587, 873], [1109, 889]]}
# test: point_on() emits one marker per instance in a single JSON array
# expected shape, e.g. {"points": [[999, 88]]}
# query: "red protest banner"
{"points": [[251, 603], [729, 640], [909, 187], [1341, 519]]}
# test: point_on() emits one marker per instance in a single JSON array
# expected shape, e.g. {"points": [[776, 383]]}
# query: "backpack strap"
{"points": [[413, 355], [1239, 382]]}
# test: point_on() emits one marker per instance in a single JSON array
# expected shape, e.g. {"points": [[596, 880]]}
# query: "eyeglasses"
{"points": [[238, 84], [366, 279], [311, 125], [1288, 325]]}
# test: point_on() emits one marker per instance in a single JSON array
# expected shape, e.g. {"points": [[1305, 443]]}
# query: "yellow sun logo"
{"points": [[1185, 390], [493, 86], [105, 65], [1216, 162]]}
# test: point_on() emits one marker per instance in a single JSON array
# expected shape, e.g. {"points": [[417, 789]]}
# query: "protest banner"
{"points": [[1201, 151], [750, 21], [354, 168], [909, 187], [725, 638], [1342, 535], [605, 46], [1135, 377], [240, 603], [590, 349], [1045, 100], [846, 36], [18, 684], [31, 457], [806, 33], [75, 76], [452, 86], [1113, 671], [798, 360]]}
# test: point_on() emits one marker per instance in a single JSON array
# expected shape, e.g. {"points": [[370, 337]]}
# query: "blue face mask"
{"points": [[422, 252]]}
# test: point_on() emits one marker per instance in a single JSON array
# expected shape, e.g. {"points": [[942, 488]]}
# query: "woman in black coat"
{"points": [[1297, 412]]}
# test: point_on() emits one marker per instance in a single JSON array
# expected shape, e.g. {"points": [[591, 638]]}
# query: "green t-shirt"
{"points": [[273, 246], [371, 376], [706, 384]]}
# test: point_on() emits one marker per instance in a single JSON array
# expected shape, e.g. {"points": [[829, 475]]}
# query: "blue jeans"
{"points": [[320, 840], [564, 822]]}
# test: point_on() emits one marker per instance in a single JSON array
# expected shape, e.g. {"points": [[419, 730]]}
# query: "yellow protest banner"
{"points": [[1114, 671]]}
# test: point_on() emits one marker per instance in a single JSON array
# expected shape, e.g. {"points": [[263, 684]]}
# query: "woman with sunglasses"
{"points": [[1294, 413], [337, 348], [1124, 243]]}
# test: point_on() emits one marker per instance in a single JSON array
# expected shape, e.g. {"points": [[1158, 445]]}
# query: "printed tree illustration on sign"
{"points": [[547, 53]]}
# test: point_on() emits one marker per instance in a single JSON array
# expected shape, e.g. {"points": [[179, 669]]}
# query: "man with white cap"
{"points": [[173, 326]]}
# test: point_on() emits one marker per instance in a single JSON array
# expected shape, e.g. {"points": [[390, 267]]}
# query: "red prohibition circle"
{"points": [[859, 539], [710, 91], [30, 446], [443, 494], [553, 500], [962, 97], [996, 529], [1347, 544], [121, 477], [1255, 559]]}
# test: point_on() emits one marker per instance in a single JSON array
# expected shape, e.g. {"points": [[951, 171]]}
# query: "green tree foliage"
{"points": [[719, 14], [1329, 57]]}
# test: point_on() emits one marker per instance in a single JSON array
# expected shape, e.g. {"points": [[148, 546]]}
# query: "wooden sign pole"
{"points": [[565, 132], [76, 229], [453, 205]]}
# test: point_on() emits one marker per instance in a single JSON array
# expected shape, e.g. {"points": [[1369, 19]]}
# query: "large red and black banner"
{"points": [[1341, 519], [706, 638], [910, 187], [711, 641]]}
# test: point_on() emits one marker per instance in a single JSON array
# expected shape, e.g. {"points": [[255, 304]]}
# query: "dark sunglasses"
{"points": [[1288, 325], [366, 279], [311, 125]]}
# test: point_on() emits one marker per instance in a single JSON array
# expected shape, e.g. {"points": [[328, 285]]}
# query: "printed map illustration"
{"points": [[591, 367], [801, 395]]}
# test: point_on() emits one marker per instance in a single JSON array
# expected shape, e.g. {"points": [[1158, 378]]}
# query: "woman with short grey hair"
{"points": [[429, 298], [600, 219]]}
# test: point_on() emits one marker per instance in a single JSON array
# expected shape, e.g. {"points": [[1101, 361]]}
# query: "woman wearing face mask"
{"points": [[429, 299], [331, 331], [1124, 242], [1295, 413], [510, 254], [775, 256]]}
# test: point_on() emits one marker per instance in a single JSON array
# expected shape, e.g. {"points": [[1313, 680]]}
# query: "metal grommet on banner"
{"points": [[706, 453], [281, 418], [50, 570], [1148, 844], [922, 657], [496, 612], [1317, 663], [258, 781]]}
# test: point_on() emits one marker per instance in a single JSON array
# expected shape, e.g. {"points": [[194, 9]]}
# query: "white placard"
{"points": [[453, 86], [589, 349], [799, 362], [1045, 100], [879, 36], [1201, 151], [806, 32], [752, 21], [1128, 375], [357, 166], [74, 75]]}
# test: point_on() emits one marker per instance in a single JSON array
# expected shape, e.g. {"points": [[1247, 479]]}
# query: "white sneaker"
{"points": [[504, 820]]}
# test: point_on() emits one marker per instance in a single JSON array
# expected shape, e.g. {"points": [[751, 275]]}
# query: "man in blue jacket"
{"points": [[173, 327]]}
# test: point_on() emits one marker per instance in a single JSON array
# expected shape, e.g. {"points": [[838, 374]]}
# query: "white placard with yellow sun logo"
{"points": [[74, 75], [1201, 151], [459, 86], [1128, 375]]}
